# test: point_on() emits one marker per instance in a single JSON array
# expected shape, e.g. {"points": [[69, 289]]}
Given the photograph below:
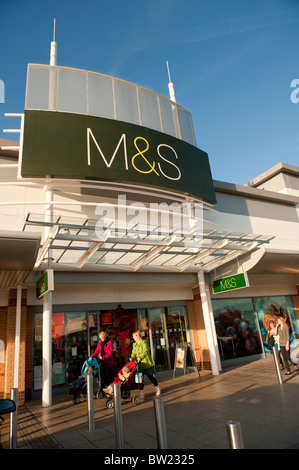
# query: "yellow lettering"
{"points": [[140, 152]]}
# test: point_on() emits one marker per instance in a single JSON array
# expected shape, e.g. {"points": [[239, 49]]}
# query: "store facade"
{"points": [[122, 212]]}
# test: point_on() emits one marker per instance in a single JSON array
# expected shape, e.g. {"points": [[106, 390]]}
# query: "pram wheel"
{"points": [[99, 395], [136, 400], [110, 403]]}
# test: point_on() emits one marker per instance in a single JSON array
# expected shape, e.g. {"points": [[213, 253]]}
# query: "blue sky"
{"points": [[231, 61]]}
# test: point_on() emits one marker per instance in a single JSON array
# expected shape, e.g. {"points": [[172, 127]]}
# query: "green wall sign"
{"points": [[238, 281], [66, 145], [45, 283]]}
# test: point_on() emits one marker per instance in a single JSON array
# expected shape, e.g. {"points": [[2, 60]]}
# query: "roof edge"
{"points": [[255, 193]]}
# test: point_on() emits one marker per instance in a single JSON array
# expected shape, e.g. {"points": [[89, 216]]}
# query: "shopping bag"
{"points": [[138, 377]]}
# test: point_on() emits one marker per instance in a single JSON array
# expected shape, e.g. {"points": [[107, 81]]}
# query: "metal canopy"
{"points": [[18, 253], [76, 244]]}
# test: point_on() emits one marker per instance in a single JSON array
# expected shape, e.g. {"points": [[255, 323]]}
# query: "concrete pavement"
{"points": [[196, 412]]}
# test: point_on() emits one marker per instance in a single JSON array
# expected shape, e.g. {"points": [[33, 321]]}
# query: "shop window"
{"points": [[37, 351], [159, 339], [236, 328], [58, 349], [93, 332], [69, 347], [269, 309], [76, 344]]}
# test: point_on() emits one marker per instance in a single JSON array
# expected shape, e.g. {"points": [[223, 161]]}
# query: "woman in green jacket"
{"points": [[141, 355]]}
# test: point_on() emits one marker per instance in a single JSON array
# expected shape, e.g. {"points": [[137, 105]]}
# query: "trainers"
{"points": [[158, 390], [108, 390], [141, 393]]}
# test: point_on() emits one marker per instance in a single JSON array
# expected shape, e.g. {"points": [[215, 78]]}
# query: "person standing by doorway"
{"points": [[141, 355]]}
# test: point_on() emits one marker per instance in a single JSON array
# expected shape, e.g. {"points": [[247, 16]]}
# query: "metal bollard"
{"points": [[234, 433], [14, 395], [160, 423], [277, 365], [90, 408], [119, 435]]}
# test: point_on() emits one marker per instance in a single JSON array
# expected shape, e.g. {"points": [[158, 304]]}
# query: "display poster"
{"points": [[180, 358], [237, 328], [270, 309]]}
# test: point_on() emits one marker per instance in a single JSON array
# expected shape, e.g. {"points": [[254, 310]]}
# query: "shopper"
{"points": [[141, 355], [284, 343], [104, 351], [272, 333], [273, 340]]}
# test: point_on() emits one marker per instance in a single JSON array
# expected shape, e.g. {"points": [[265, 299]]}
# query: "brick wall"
{"points": [[3, 327], [7, 332]]}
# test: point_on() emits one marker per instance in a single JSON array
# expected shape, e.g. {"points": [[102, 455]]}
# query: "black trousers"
{"points": [[151, 377], [286, 357], [107, 375]]}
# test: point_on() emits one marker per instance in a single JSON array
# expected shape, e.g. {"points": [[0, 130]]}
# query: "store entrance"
{"points": [[119, 325], [75, 336], [167, 331]]}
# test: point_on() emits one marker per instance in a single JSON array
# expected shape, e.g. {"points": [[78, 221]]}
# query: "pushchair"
{"points": [[126, 379], [79, 386]]}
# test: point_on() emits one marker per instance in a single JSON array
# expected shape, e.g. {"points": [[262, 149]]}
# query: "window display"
{"points": [[236, 328], [270, 309]]}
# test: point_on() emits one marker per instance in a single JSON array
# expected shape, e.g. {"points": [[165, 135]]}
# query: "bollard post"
{"points": [[90, 408], [119, 435], [160, 423], [234, 433], [13, 420], [277, 365]]}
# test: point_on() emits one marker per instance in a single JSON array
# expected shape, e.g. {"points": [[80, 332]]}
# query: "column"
{"points": [[47, 350], [207, 321]]}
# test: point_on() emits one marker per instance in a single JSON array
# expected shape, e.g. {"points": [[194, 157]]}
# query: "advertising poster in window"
{"points": [[237, 328], [270, 309]]}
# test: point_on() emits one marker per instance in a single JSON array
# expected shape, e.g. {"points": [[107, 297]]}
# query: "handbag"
{"points": [[271, 342]]}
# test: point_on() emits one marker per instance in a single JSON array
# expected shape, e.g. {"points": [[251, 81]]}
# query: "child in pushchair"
{"points": [[78, 387], [126, 379]]}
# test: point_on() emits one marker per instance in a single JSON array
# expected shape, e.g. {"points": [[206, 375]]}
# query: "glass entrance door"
{"points": [[159, 339], [76, 343], [176, 330]]}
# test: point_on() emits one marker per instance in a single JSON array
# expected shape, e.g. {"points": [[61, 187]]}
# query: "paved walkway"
{"points": [[196, 412]]}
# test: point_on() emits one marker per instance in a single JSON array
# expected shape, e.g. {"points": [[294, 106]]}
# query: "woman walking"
{"points": [[141, 355], [284, 342], [104, 351]]}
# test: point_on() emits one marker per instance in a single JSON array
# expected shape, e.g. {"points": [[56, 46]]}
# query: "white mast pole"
{"points": [[47, 298], [53, 50], [170, 86]]}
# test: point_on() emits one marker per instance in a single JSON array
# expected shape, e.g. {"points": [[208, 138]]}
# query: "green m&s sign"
{"points": [[237, 281], [45, 283]]}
